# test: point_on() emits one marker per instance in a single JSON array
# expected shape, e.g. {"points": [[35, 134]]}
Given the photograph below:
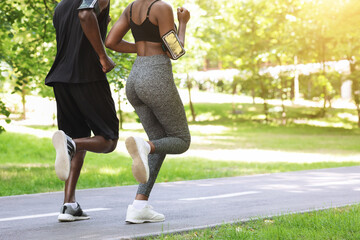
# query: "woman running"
{"points": [[151, 90]]}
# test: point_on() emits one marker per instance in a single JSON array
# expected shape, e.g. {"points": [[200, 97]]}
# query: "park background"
{"points": [[268, 86]]}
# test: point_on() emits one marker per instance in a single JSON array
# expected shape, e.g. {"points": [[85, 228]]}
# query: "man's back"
{"points": [[76, 61]]}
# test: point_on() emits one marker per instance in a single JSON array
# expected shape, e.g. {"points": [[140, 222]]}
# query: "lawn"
{"points": [[330, 224], [26, 161]]}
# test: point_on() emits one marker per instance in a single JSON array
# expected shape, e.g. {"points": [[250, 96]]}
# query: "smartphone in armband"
{"points": [[173, 45], [90, 4]]}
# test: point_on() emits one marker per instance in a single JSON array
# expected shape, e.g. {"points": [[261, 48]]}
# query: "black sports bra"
{"points": [[146, 31]]}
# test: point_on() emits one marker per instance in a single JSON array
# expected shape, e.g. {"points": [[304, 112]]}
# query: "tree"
{"points": [[28, 45], [254, 21], [318, 28], [348, 46], [195, 48], [118, 76], [4, 111]]}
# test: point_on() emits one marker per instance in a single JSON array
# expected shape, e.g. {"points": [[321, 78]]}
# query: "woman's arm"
{"points": [[166, 21], [114, 40], [183, 16]]}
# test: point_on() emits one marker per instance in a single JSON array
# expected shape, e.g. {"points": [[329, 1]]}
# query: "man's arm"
{"points": [[89, 24]]}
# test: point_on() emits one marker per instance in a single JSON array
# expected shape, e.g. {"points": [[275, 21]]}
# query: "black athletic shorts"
{"points": [[86, 107]]}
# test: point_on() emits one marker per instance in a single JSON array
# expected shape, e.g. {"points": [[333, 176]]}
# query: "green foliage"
{"points": [[313, 85], [4, 111], [29, 46]]}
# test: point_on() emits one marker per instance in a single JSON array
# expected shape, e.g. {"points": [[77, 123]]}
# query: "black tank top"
{"points": [[146, 31]]}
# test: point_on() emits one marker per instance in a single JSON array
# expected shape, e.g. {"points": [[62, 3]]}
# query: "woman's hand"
{"points": [[183, 15]]}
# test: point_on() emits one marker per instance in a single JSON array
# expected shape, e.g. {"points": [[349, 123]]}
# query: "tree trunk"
{"points": [[296, 81], [189, 86], [253, 95], [23, 101], [233, 96], [358, 111], [325, 97], [283, 113], [266, 111], [282, 93], [120, 111]]}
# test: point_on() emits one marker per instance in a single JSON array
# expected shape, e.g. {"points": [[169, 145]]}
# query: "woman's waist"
{"points": [[146, 48], [158, 59]]}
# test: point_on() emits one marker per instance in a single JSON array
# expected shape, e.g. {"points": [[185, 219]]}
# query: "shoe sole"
{"points": [[62, 163], [138, 166], [70, 218], [143, 221]]}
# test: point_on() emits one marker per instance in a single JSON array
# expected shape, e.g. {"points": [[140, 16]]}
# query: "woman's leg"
{"points": [[159, 93], [164, 122], [152, 92], [154, 130]]}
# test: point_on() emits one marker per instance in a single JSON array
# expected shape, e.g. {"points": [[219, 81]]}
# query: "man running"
{"points": [[82, 93]]}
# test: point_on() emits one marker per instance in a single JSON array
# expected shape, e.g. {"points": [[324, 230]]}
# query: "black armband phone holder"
{"points": [[90, 4], [172, 44]]}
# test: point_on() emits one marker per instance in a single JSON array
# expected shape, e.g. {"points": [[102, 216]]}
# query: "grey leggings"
{"points": [[152, 92]]}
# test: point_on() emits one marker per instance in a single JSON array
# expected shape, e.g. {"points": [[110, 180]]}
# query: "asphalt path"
{"points": [[187, 204]]}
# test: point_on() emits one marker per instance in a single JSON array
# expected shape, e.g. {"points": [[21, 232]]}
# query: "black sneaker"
{"points": [[65, 151], [70, 214]]}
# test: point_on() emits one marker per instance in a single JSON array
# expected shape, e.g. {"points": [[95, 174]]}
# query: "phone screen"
{"points": [[173, 44]]}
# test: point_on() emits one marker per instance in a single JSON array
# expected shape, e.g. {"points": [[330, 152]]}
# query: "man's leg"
{"points": [[70, 184], [83, 108], [97, 144], [71, 210]]}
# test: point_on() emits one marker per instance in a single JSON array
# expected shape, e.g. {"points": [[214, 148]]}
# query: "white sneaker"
{"points": [[139, 152], [147, 214], [65, 151]]}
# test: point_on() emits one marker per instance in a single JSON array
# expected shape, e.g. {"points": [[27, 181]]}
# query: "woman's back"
{"points": [[149, 20], [144, 24]]}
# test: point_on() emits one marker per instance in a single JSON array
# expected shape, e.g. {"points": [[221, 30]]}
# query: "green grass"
{"points": [[26, 162], [222, 113], [337, 223], [26, 166], [290, 138], [241, 131]]}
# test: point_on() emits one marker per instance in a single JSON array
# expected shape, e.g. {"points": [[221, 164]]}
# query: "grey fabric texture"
{"points": [[152, 92]]}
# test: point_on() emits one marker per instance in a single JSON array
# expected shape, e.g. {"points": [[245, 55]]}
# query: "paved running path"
{"points": [[186, 205]]}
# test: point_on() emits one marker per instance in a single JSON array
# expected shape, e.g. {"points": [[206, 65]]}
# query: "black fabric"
{"points": [[76, 61], [82, 108], [146, 31]]}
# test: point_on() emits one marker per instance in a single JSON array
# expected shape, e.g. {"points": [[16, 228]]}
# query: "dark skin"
{"points": [[161, 14], [89, 24], [97, 144]]}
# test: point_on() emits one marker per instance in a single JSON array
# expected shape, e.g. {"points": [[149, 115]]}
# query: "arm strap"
{"points": [[90, 4], [172, 43]]}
